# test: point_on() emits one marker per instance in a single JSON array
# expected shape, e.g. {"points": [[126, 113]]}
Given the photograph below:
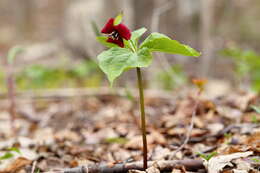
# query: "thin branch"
{"points": [[190, 165], [172, 155], [34, 166]]}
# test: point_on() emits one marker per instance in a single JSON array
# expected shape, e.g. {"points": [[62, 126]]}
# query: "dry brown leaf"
{"points": [[136, 142], [16, 165], [158, 137], [254, 139], [152, 170], [216, 164], [67, 134]]}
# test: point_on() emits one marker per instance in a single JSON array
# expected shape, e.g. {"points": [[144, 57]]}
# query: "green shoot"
{"points": [[207, 157]]}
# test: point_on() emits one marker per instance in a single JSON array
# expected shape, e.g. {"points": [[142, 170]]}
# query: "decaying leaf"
{"points": [[16, 165], [216, 164], [153, 169]]}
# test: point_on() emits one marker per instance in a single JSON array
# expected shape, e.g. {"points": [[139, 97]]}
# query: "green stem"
{"points": [[141, 95], [133, 46]]}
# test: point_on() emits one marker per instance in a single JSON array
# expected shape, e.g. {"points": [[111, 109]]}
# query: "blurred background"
{"points": [[60, 48]]}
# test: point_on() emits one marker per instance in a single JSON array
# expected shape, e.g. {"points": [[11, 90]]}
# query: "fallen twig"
{"points": [[221, 132], [190, 165], [172, 155], [34, 166]]}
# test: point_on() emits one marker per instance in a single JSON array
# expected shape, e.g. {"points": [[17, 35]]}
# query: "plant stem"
{"points": [[141, 95]]}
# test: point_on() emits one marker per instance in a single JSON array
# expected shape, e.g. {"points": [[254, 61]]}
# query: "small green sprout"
{"points": [[12, 53], [254, 117], [227, 135], [207, 157], [257, 160], [6, 156], [118, 140], [129, 95], [9, 153]]}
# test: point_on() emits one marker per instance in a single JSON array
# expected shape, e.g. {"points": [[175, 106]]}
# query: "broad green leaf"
{"points": [[115, 61], [12, 53], [137, 34], [118, 19], [103, 40], [161, 43], [135, 37]]}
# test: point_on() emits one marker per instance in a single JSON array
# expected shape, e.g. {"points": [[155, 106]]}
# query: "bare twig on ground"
{"points": [[221, 133], [190, 165], [172, 155], [34, 166]]}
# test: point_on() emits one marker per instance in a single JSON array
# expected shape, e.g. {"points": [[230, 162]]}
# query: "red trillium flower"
{"points": [[116, 33]]}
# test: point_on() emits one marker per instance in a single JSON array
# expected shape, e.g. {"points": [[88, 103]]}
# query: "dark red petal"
{"points": [[109, 27], [119, 42], [123, 31]]}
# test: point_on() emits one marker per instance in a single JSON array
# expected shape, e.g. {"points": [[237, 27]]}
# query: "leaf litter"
{"points": [[63, 133]]}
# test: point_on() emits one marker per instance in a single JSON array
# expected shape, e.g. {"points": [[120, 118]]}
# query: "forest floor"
{"points": [[102, 131]]}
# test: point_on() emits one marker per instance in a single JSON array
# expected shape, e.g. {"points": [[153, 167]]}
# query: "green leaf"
{"points": [[256, 160], [14, 149], [207, 156], [115, 61], [137, 34], [161, 43], [103, 40], [6, 156], [135, 38], [118, 19], [12, 53]]}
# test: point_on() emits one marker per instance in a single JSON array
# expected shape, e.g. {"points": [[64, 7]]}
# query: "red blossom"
{"points": [[116, 33]]}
